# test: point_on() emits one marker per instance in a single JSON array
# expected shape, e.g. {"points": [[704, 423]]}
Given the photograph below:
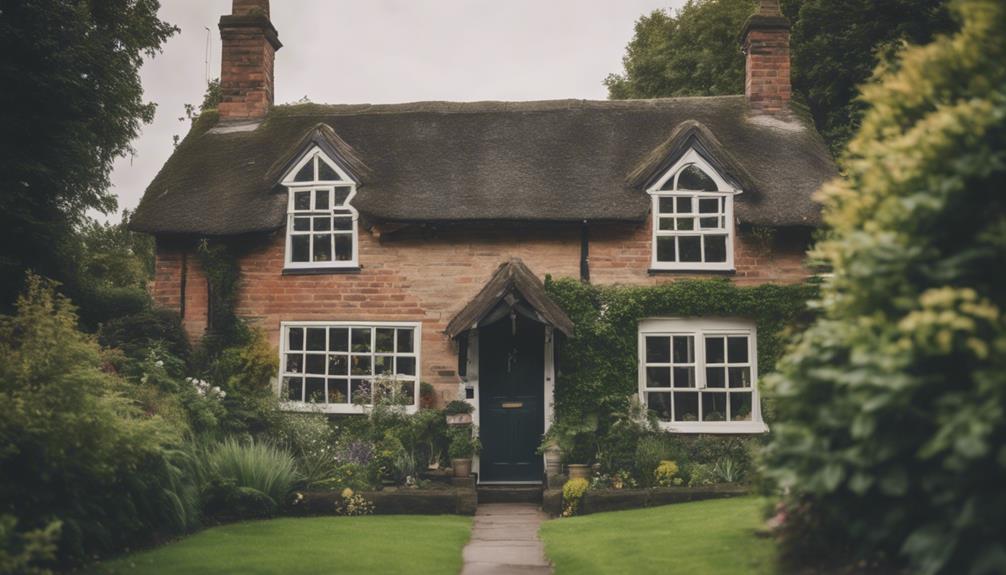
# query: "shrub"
{"points": [[26, 553], [892, 407], [75, 448], [458, 407], [702, 474], [353, 504], [225, 500], [464, 443], [572, 493], [666, 474], [255, 464], [136, 334]]}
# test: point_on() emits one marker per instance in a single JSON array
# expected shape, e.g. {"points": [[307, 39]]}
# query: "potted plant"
{"points": [[459, 412], [464, 445], [553, 453], [575, 438], [426, 395]]}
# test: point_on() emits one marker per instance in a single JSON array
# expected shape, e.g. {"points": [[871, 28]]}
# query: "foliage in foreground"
{"points": [[892, 407], [73, 446]]}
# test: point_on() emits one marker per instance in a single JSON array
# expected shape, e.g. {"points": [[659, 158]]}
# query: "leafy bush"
{"points": [[666, 474], [892, 407], [26, 553], [353, 504], [702, 474], [255, 464], [458, 407], [464, 443], [136, 334], [225, 500], [572, 493], [75, 448]]}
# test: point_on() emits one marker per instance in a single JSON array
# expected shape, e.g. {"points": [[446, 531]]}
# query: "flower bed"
{"points": [[440, 501], [599, 500]]}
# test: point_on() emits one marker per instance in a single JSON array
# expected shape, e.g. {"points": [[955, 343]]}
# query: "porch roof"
{"points": [[512, 278]]}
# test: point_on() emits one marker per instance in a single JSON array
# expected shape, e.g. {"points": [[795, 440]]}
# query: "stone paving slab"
{"points": [[505, 540]]}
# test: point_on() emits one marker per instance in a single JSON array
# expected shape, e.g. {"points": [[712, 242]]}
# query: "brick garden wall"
{"points": [[429, 275]]}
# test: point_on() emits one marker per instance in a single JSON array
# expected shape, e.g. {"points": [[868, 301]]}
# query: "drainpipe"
{"points": [[584, 253]]}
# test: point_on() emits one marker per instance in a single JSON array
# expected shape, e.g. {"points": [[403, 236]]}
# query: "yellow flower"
{"points": [[347, 493]]}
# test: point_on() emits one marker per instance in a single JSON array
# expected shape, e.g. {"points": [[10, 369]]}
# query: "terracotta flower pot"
{"points": [[578, 471], [553, 464], [462, 467]]}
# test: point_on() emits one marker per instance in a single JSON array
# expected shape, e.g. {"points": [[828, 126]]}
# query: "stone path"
{"points": [[505, 540]]}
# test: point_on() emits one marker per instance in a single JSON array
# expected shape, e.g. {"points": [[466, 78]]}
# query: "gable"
{"points": [[566, 160]]}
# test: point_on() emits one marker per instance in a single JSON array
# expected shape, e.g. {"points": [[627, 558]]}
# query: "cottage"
{"points": [[409, 241]]}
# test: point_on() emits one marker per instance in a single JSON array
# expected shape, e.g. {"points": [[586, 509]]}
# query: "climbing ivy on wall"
{"points": [[223, 273], [598, 364]]}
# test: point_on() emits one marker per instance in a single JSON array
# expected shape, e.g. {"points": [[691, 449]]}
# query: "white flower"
{"points": [[159, 363]]}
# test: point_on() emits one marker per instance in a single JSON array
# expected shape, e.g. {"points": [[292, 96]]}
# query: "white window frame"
{"points": [[725, 191], [347, 408], [323, 186], [699, 328]]}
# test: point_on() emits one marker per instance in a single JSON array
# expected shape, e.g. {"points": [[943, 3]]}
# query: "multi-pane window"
{"points": [[321, 231], [692, 212], [697, 374], [341, 365]]}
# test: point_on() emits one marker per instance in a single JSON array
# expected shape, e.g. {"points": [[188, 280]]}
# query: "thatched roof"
{"points": [[512, 287], [563, 160]]}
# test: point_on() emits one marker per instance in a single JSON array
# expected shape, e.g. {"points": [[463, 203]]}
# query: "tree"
{"points": [[691, 53], [71, 103], [892, 406], [835, 45], [113, 256]]}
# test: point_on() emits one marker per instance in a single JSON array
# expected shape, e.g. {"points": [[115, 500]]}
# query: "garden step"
{"points": [[509, 494]]}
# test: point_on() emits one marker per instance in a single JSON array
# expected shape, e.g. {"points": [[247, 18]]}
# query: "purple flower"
{"points": [[356, 451]]}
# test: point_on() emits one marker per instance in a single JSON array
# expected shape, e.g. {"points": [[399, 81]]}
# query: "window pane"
{"points": [[305, 174], [343, 247], [690, 248], [709, 205], [686, 224], [360, 365], [338, 339], [407, 393], [322, 248], [740, 406], [709, 223], [295, 338], [322, 224], [316, 339], [658, 349], [740, 376], [383, 390], [716, 377], [325, 172], [338, 391], [714, 350], [405, 337], [302, 200], [693, 178], [342, 223], [321, 199], [315, 389], [684, 349], [686, 406], [684, 205], [716, 248], [300, 246], [684, 377], [714, 406], [294, 363], [658, 377], [338, 365], [301, 224], [314, 364], [737, 349], [360, 391], [665, 249], [666, 224], [361, 339], [660, 403], [406, 366], [385, 340], [340, 196], [294, 387], [384, 365]]}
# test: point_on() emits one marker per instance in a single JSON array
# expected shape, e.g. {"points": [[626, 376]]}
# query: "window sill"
{"points": [[321, 271], [337, 408], [673, 271], [724, 427]]}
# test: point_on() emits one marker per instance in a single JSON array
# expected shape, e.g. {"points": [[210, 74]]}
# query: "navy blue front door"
{"points": [[511, 399]]}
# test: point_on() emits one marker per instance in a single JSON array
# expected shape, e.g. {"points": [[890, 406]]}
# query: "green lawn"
{"points": [[412, 544], [708, 537]]}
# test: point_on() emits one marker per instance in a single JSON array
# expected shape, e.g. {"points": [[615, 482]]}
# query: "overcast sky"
{"points": [[382, 51]]}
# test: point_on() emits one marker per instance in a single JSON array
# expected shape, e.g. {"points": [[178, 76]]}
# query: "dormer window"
{"points": [[321, 223], [692, 218]]}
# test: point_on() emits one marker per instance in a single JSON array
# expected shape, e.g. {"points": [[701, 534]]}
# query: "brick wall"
{"points": [[428, 275]]}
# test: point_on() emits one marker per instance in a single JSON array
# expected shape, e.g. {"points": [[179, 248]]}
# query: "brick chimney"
{"points": [[249, 43], [765, 41]]}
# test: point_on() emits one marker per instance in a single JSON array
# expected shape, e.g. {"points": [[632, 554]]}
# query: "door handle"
{"points": [[512, 404]]}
